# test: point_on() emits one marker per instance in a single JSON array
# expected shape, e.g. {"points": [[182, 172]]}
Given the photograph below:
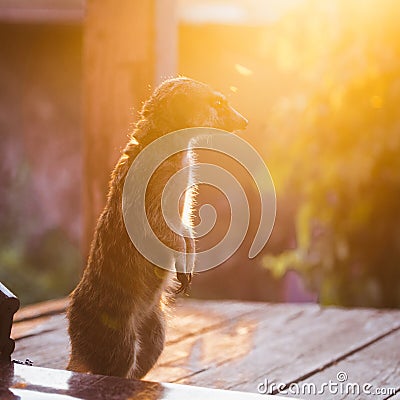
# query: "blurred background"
{"points": [[319, 81]]}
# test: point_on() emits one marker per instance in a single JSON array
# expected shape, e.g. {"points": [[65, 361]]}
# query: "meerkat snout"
{"points": [[234, 121]]}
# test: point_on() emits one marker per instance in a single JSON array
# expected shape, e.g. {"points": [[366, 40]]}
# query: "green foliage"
{"points": [[340, 135], [34, 266], [39, 272]]}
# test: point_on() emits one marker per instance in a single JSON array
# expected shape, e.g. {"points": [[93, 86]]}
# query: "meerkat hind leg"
{"points": [[152, 339]]}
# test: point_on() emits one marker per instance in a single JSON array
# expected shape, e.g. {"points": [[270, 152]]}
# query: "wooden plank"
{"points": [[289, 351], [48, 349], [33, 327], [232, 340], [42, 384], [192, 317], [236, 345], [376, 365], [42, 309], [185, 318], [45, 340]]}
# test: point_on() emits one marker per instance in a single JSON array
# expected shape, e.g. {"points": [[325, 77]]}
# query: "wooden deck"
{"points": [[241, 346]]}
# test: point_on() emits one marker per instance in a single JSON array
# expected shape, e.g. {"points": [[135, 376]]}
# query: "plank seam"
{"points": [[392, 396], [341, 358]]}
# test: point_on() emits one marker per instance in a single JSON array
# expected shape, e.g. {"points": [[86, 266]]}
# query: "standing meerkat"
{"points": [[116, 317]]}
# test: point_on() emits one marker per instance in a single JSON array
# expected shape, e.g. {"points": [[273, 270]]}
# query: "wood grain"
{"points": [[236, 345], [118, 69], [42, 309], [377, 365], [300, 344]]}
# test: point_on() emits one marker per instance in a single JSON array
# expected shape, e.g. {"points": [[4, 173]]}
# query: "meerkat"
{"points": [[116, 312]]}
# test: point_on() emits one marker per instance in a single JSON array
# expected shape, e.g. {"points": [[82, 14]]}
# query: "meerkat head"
{"points": [[185, 103]]}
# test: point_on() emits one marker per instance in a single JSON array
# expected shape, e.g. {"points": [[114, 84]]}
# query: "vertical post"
{"points": [[9, 305], [128, 45], [166, 40]]}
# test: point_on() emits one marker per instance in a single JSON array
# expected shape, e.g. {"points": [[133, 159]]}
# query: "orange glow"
{"points": [[319, 83], [376, 102], [243, 70]]}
